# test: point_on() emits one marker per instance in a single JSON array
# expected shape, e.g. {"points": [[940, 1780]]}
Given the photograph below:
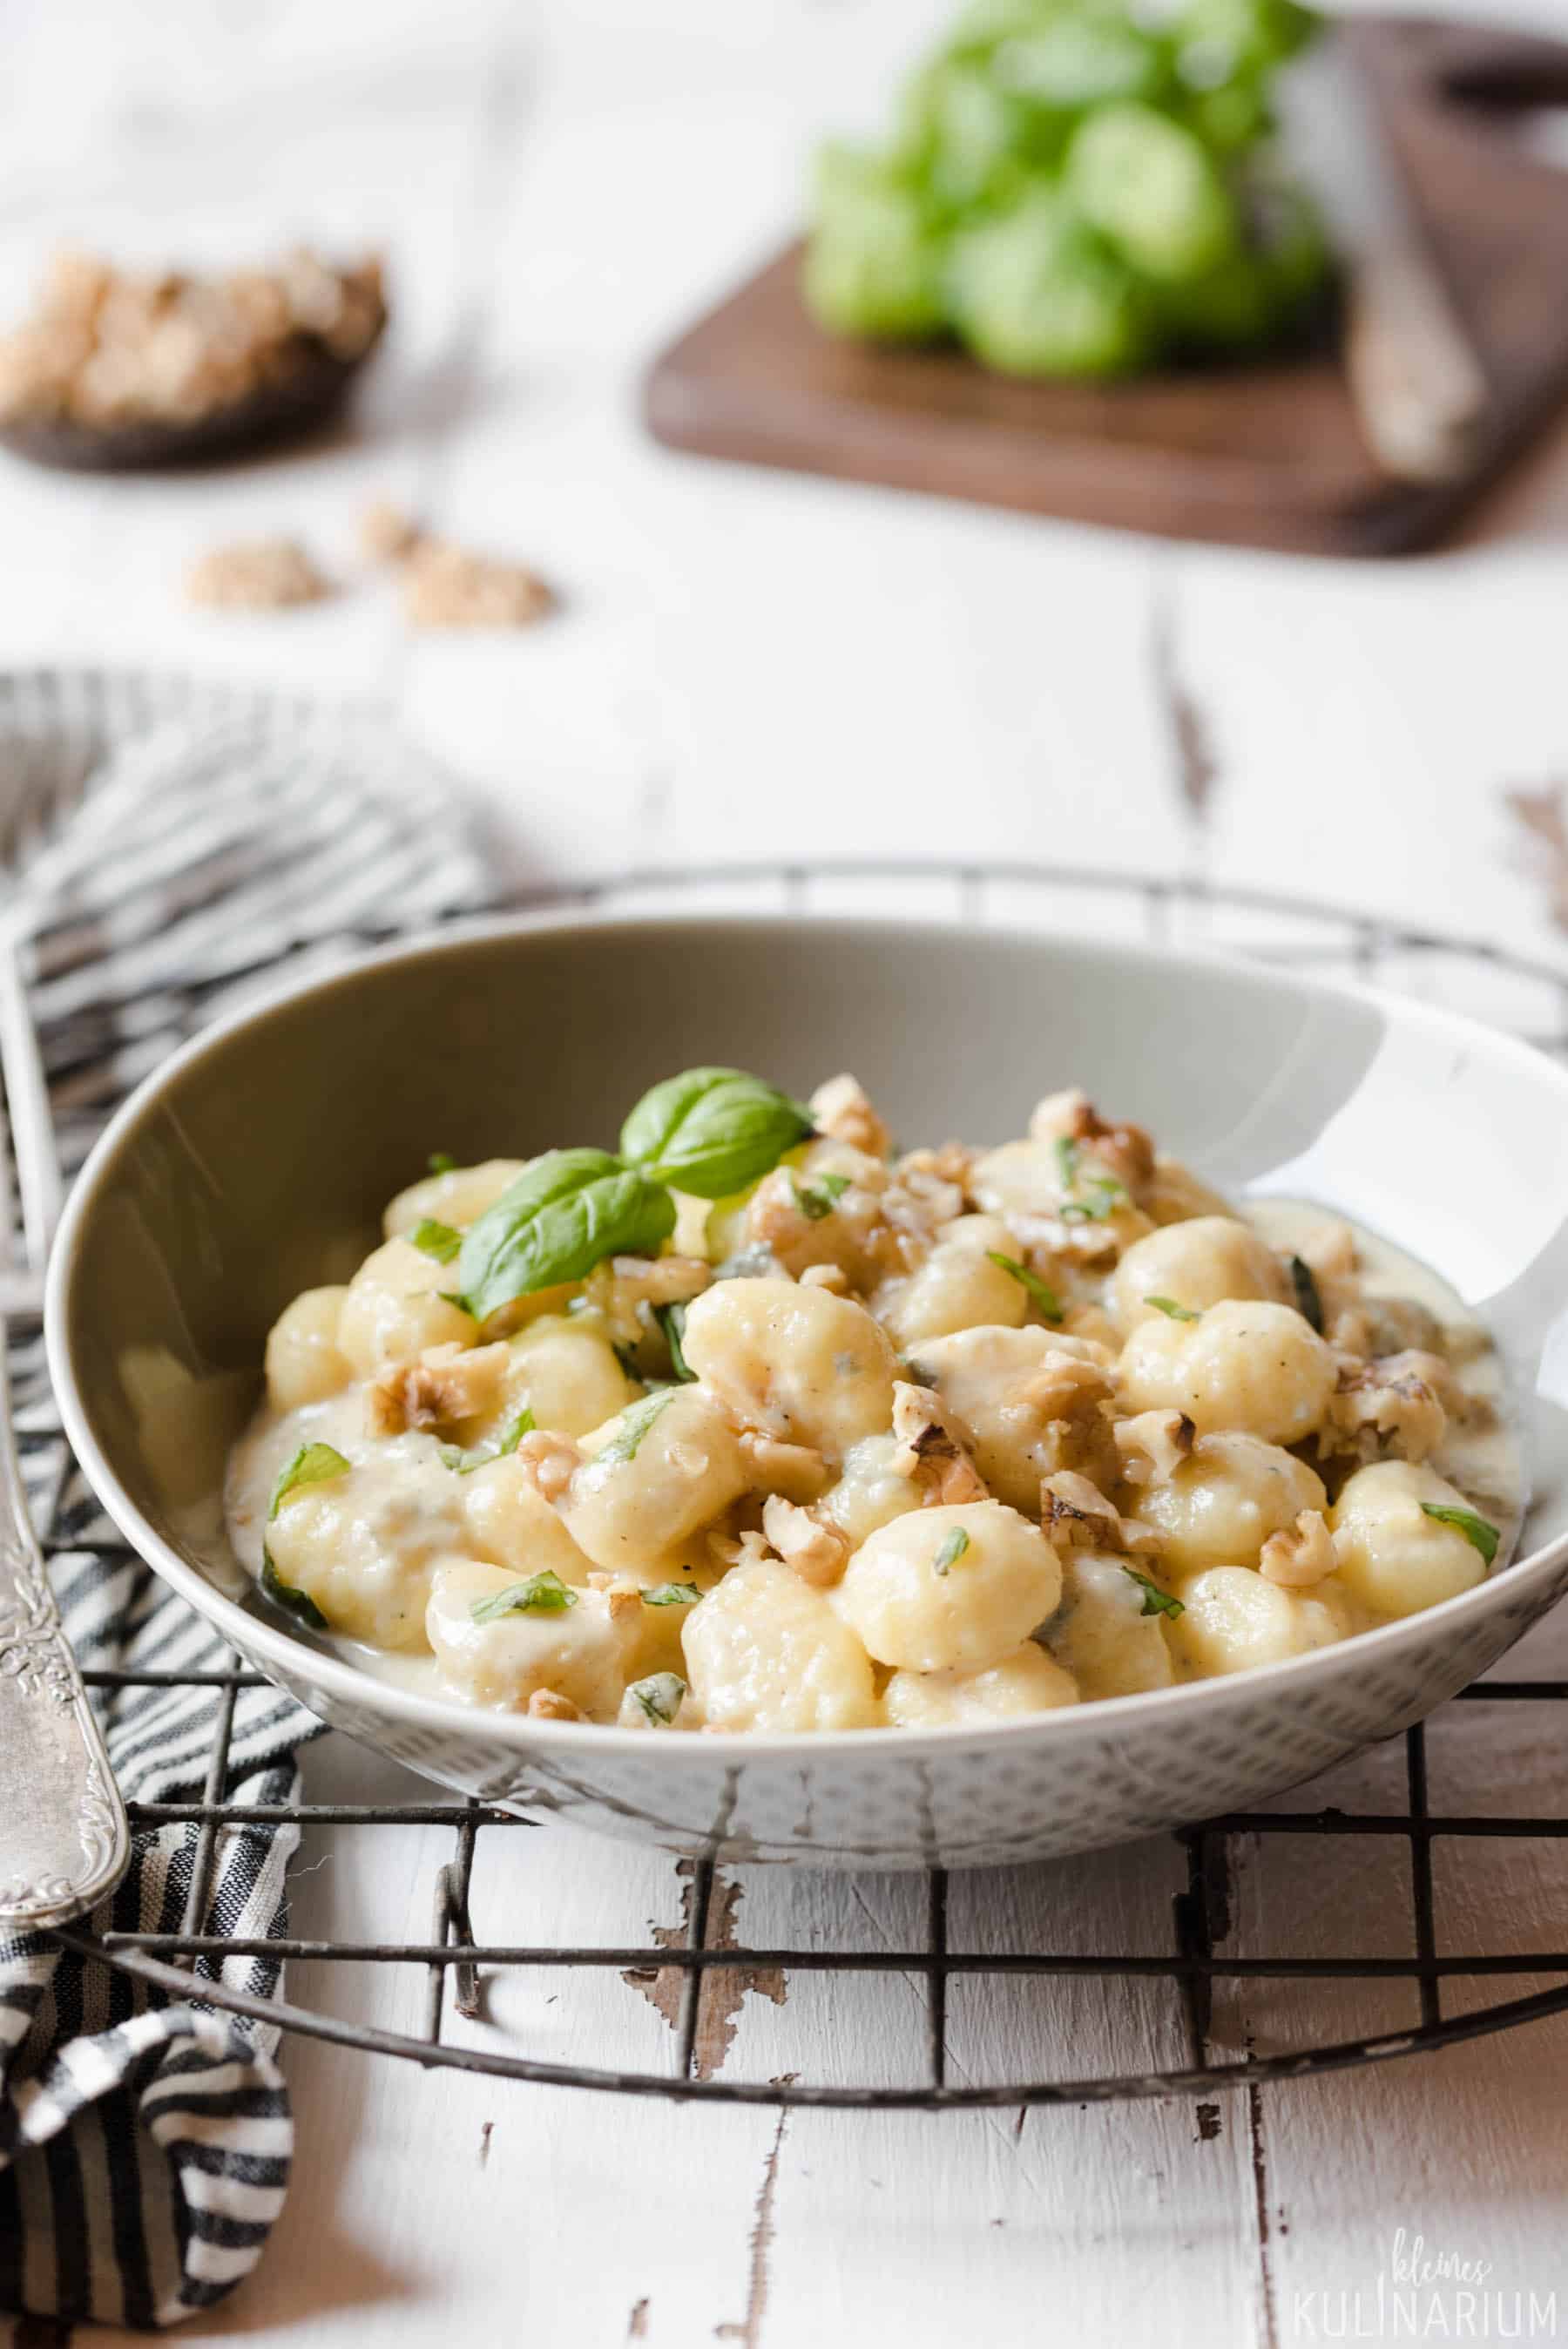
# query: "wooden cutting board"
{"points": [[1265, 454]]}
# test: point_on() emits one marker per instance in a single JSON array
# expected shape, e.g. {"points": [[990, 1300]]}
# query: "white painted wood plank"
{"points": [[1463, 2147]]}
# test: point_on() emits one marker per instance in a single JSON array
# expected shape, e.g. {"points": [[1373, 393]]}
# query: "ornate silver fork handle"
{"points": [[63, 1837], [65, 1841]]}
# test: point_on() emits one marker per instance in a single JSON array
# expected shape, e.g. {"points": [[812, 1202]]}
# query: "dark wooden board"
{"points": [[1258, 455]]}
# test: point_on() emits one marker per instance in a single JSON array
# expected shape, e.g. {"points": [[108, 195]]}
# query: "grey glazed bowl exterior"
{"points": [[256, 1162]]}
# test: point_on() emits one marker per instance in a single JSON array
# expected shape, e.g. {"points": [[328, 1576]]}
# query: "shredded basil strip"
{"points": [[1155, 1600], [1476, 1530], [441, 1162], [542, 1594], [313, 1464], [1066, 1161], [438, 1241], [713, 1132], [636, 1422], [671, 1594], [1045, 1299], [1171, 1310], [463, 1463], [671, 1319], [819, 1198], [298, 1603], [1112, 1195], [1308, 1299], [659, 1696], [566, 1213], [954, 1545]]}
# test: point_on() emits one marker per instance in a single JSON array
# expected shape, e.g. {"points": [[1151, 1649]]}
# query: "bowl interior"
{"points": [[259, 1163]]}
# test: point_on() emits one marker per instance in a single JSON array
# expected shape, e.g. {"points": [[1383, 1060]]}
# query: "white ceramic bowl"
{"points": [[258, 1159]]}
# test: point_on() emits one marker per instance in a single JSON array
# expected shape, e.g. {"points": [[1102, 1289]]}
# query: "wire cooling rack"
{"points": [[1531, 998]]}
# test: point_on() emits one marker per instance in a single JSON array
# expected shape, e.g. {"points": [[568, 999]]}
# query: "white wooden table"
{"points": [[758, 666]]}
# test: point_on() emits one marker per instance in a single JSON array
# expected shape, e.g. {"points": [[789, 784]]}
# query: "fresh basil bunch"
{"points": [[711, 1133]]}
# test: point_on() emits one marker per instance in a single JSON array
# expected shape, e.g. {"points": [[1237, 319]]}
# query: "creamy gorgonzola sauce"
{"points": [[869, 1438]]}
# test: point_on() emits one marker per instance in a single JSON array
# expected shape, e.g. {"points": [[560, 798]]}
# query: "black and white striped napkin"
{"points": [[167, 847]]}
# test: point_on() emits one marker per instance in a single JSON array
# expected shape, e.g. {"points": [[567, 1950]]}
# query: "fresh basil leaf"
{"points": [[1308, 1300], [463, 1463], [542, 1594], [1476, 1530], [313, 1464], [659, 1697], [565, 1214], [818, 1199], [298, 1603], [441, 1162], [636, 1422], [952, 1550], [671, 1594], [1045, 1299], [671, 1319], [452, 1297], [438, 1241], [1171, 1310], [711, 1132], [1155, 1600]]}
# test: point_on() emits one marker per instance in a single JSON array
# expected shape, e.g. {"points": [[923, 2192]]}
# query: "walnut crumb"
{"points": [[1300, 1555], [262, 575], [447, 587], [817, 1553], [387, 534], [549, 1704]]}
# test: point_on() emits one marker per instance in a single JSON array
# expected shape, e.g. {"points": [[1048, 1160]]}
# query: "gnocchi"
{"points": [[949, 1588], [1399, 1543], [765, 1427], [1256, 1367]]}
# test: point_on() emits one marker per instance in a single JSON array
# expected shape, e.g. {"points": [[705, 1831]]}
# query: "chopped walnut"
{"points": [[747, 1548], [1153, 1444], [921, 1201], [549, 1704], [446, 1385], [795, 1470], [841, 1109], [1300, 1557], [951, 1163], [1123, 1148], [1385, 1404], [930, 1447], [264, 575], [447, 587], [105, 348], [549, 1462], [1073, 1399], [817, 1553], [1076, 1515], [387, 534], [786, 1216]]}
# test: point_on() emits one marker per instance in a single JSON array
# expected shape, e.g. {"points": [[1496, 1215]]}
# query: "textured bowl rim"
{"points": [[287, 1656]]}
